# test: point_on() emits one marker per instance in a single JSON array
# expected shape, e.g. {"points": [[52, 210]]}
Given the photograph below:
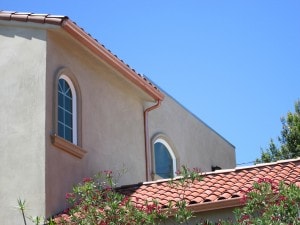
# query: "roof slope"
{"points": [[88, 41], [220, 189]]}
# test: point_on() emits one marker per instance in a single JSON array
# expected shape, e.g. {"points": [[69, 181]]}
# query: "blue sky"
{"points": [[234, 64]]}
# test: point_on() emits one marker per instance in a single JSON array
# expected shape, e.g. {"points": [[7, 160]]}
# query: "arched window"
{"points": [[66, 110], [165, 160]]}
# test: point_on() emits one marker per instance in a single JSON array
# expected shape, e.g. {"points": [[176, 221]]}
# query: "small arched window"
{"points": [[165, 160], [66, 110]]}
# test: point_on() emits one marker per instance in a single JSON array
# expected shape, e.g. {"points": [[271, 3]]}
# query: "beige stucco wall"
{"points": [[22, 119], [112, 122], [193, 142]]}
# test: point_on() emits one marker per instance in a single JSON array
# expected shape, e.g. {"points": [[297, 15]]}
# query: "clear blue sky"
{"points": [[234, 64]]}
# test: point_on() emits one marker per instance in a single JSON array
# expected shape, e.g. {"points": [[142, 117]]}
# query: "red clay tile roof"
{"points": [[219, 189], [91, 43], [32, 17]]}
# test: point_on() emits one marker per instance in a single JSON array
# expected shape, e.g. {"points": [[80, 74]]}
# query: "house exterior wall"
{"points": [[22, 119], [193, 142], [111, 121]]}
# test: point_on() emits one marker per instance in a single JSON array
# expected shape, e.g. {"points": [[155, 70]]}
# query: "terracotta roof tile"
{"points": [[32, 17], [212, 197], [220, 185]]}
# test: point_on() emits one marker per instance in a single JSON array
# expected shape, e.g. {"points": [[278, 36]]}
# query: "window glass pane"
{"points": [[60, 85], [68, 119], [60, 99], [65, 110], [61, 115], [68, 104], [63, 85], [163, 161], [68, 134], [61, 130], [68, 91]]}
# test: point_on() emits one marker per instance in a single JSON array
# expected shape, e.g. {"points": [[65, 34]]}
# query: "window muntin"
{"points": [[165, 161], [66, 110]]}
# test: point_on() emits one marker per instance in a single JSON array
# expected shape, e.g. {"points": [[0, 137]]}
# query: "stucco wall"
{"points": [[193, 142], [112, 122], [22, 119]]}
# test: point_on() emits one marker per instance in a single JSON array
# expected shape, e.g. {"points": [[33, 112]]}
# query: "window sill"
{"points": [[67, 146]]}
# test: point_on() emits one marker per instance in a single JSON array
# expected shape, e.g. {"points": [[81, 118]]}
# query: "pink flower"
{"points": [[108, 173], [87, 179], [69, 195]]}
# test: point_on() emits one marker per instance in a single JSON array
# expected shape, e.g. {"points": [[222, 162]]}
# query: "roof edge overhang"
{"points": [[89, 42], [220, 204], [211, 206], [94, 46]]}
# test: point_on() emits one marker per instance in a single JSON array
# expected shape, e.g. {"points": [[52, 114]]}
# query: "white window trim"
{"points": [[160, 140], [74, 106]]}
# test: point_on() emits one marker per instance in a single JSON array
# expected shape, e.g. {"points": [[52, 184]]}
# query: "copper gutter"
{"points": [[147, 141], [98, 49]]}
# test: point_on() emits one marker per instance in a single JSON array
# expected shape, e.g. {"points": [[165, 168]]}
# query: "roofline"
{"points": [[110, 59], [32, 17], [197, 118], [88, 41], [221, 204], [211, 206], [193, 114], [222, 171], [227, 203], [261, 165], [234, 200]]}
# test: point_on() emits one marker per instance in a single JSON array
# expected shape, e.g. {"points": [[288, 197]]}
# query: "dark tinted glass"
{"points": [[64, 111], [68, 134], [68, 119], [163, 161]]}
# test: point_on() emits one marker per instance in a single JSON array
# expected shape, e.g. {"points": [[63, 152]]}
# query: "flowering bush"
{"points": [[270, 203], [266, 203], [95, 201]]}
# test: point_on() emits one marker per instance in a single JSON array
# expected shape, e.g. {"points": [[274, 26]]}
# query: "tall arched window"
{"points": [[165, 160], [66, 110]]}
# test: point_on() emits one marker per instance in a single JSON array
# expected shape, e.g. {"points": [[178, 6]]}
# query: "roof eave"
{"points": [[220, 204], [211, 206], [110, 59]]}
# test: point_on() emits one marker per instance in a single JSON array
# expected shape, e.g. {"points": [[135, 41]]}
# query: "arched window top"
{"points": [[164, 159], [66, 109], [66, 135], [65, 79]]}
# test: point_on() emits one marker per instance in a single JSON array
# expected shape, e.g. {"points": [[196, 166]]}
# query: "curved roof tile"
{"points": [[219, 186]]}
